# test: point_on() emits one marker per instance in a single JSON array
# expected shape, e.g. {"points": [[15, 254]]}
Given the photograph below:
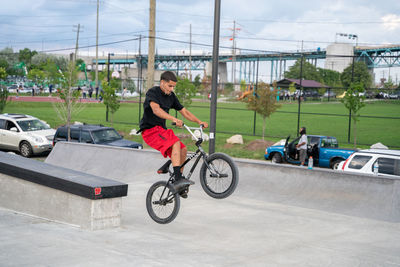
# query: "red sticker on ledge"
{"points": [[97, 191]]}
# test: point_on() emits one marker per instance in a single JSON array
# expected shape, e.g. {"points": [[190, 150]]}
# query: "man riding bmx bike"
{"points": [[159, 100]]}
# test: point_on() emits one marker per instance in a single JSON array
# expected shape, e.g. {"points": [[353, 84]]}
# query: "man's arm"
{"points": [[159, 112], [189, 115]]}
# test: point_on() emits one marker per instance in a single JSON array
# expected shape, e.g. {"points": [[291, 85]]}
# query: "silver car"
{"points": [[25, 134]]}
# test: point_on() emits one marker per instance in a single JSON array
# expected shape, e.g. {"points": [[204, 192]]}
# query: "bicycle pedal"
{"points": [[184, 193]]}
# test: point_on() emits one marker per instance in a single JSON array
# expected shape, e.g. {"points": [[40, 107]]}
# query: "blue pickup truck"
{"points": [[323, 149]]}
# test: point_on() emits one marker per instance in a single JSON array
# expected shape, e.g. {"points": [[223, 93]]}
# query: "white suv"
{"points": [[25, 134], [363, 161]]}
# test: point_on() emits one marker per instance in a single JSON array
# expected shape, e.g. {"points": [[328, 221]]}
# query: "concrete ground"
{"points": [[241, 230]]}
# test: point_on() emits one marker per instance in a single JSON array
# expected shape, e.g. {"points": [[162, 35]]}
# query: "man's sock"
{"points": [[177, 173]]}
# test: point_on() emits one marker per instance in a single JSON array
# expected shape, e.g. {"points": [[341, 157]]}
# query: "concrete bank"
{"points": [[323, 189], [245, 229]]}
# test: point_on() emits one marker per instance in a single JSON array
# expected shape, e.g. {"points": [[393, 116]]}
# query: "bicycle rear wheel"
{"points": [[220, 178], [162, 205]]}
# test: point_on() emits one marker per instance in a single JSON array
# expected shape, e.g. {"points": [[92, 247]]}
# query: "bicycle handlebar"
{"points": [[193, 128]]}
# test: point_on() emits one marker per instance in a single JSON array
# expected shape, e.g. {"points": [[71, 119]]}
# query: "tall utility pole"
{"points": [[233, 53], [152, 42], [97, 49], [190, 54], [77, 40], [214, 81]]}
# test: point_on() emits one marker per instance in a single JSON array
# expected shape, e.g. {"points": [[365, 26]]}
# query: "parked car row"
{"points": [[29, 136], [313, 94], [325, 153], [373, 161]]}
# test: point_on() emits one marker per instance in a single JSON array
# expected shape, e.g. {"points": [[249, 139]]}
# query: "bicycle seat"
{"points": [[164, 168]]}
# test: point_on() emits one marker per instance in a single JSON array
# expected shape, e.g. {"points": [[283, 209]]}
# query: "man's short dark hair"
{"points": [[169, 76]]}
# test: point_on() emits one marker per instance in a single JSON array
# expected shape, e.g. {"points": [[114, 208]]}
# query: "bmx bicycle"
{"points": [[218, 177]]}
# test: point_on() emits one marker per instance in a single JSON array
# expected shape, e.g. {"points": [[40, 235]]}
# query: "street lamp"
{"points": [[349, 36]]}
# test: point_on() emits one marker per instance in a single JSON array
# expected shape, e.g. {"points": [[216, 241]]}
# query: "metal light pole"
{"points": [[108, 79], [140, 77], [299, 96], [214, 81]]}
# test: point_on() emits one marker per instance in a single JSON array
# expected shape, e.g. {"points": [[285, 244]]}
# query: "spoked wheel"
{"points": [[220, 178], [162, 205]]}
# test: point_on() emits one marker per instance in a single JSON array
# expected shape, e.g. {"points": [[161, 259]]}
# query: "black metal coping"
{"points": [[67, 180]]}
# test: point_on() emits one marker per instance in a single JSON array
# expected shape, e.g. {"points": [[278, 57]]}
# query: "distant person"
{"points": [[124, 92], [19, 89], [97, 92], [90, 91], [34, 88], [50, 89], [302, 146]]}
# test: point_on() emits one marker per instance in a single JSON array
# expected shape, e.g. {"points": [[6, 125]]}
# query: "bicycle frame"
{"points": [[200, 153]]}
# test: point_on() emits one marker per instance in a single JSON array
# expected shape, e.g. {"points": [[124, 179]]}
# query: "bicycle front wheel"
{"points": [[162, 205], [220, 178]]}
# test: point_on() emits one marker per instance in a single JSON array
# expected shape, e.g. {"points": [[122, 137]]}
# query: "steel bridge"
{"points": [[374, 57]]}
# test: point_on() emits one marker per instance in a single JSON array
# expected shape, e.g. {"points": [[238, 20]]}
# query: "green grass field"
{"points": [[234, 118]]}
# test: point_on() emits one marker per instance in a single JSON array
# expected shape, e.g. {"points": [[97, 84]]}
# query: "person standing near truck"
{"points": [[302, 146]]}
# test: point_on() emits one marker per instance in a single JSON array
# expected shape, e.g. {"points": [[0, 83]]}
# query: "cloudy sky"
{"points": [[285, 25]]}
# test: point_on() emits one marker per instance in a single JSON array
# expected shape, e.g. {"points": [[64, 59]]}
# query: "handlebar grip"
{"points": [[174, 124]]}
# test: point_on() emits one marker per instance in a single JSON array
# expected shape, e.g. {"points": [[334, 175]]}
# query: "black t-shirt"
{"points": [[165, 101]]}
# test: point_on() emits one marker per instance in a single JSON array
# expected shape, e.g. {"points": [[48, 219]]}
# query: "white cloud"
{"points": [[391, 22]]}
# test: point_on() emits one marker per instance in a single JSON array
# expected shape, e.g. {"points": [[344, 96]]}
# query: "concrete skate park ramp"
{"points": [[350, 194]]}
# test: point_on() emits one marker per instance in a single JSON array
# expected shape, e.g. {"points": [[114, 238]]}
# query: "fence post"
{"points": [[299, 96], [352, 79]]}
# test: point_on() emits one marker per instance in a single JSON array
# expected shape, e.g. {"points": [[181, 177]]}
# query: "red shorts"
{"points": [[161, 139]]}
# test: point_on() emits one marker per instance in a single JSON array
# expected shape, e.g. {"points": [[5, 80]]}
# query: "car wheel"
{"points": [[276, 158], [335, 163], [25, 149]]}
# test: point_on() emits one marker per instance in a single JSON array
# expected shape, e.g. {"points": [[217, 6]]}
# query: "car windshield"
{"points": [[32, 125], [106, 135]]}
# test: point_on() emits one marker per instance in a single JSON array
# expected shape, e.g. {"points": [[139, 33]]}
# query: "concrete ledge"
{"points": [[59, 194]]}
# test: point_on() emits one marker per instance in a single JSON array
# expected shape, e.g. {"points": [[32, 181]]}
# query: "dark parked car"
{"points": [[94, 134]]}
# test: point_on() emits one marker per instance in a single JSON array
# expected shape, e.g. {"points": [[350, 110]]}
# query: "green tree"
{"points": [[37, 76], [228, 88], [26, 55], [52, 73], [360, 75], [330, 77], [70, 104], [3, 73], [243, 85], [264, 102], [4, 64], [39, 61], [7, 54], [110, 98], [185, 91], [353, 100], [310, 72], [197, 82], [3, 98]]}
